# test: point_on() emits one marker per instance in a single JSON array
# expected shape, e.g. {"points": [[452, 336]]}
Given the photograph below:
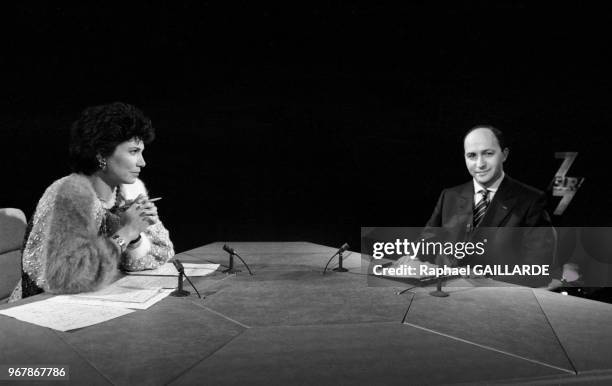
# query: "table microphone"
{"points": [[343, 248], [179, 290], [439, 293], [178, 265], [229, 250], [232, 253]]}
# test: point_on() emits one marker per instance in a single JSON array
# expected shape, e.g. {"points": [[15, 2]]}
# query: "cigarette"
{"points": [[125, 207]]}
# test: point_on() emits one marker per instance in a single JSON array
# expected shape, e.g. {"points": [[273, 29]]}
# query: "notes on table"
{"points": [[66, 317], [135, 291], [68, 312], [150, 281], [127, 292], [168, 269], [93, 301]]}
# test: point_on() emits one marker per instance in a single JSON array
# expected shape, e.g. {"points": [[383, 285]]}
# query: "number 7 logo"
{"points": [[563, 186]]}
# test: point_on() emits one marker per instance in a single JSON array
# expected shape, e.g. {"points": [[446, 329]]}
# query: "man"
{"points": [[501, 200], [475, 211]]}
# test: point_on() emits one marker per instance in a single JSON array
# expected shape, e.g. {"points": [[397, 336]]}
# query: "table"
{"points": [[289, 324]]}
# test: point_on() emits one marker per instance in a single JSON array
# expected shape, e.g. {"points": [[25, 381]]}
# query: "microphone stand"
{"points": [[180, 292], [439, 293], [231, 268], [340, 268]]}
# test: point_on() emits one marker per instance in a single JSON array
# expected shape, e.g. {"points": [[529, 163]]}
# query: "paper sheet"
{"points": [[128, 292], [76, 299], [122, 291], [68, 312], [168, 269], [66, 317], [150, 281]]}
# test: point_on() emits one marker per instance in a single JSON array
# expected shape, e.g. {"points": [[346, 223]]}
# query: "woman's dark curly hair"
{"points": [[100, 129]]}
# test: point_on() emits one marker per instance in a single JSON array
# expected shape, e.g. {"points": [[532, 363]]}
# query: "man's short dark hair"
{"points": [[501, 139], [100, 129]]}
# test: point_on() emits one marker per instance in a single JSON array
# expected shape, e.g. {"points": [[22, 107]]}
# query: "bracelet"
{"points": [[136, 240]]}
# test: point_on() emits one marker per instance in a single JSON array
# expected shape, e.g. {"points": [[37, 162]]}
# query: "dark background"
{"points": [[306, 121]]}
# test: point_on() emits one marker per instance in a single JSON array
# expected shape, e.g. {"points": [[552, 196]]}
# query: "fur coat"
{"points": [[68, 249]]}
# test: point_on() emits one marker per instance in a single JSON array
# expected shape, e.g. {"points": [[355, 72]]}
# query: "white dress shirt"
{"points": [[492, 189]]}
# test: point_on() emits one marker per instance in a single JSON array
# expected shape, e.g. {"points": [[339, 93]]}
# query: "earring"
{"points": [[102, 164]]}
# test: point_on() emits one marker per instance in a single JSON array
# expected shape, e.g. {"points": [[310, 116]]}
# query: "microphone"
{"points": [[439, 293], [229, 250], [232, 253], [179, 266], [179, 290], [343, 248]]}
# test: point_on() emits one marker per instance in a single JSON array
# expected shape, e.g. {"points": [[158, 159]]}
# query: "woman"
{"points": [[99, 218]]}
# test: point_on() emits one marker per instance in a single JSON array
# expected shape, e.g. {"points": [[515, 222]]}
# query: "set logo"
{"points": [[563, 186]]}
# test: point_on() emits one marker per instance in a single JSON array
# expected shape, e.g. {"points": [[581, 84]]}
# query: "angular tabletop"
{"points": [[290, 323]]}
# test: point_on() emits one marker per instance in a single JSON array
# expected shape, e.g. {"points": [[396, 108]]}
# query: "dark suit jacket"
{"points": [[516, 225]]}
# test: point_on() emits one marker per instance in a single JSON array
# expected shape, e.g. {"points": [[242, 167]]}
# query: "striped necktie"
{"points": [[481, 207]]}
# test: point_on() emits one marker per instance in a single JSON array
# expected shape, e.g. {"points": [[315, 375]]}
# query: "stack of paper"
{"points": [[168, 269], [137, 291], [48, 313], [128, 292], [67, 312]]}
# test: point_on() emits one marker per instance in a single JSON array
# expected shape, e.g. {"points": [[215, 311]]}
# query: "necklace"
{"points": [[110, 219]]}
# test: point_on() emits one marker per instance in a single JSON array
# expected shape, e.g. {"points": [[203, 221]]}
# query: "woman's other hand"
{"points": [[149, 211], [136, 218]]}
